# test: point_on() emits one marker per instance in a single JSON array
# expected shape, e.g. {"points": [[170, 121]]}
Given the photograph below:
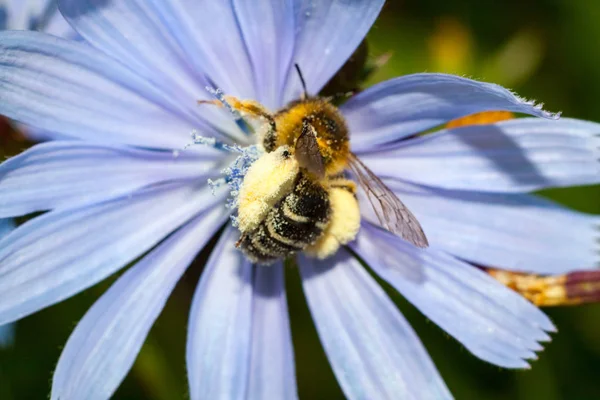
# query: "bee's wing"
{"points": [[393, 215], [307, 150]]}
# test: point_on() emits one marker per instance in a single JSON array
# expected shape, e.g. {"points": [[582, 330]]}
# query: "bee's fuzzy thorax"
{"points": [[330, 127]]}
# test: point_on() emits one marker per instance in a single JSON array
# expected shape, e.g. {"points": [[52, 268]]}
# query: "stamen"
{"points": [[197, 138], [238, 118], [556, 290], [235, 173], [218, 93], [214, 185]]}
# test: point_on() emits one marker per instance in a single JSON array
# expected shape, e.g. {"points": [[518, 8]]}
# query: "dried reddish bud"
{"points": [[556, 290]]}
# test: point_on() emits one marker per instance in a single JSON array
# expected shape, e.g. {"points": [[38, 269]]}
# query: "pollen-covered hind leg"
{"points": [[344, 223]]}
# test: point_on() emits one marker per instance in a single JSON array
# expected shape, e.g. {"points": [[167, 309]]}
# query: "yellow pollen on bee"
{"points": [[292, 216], [343, 225], [334, 151], [273, 233], [268, 180], [306, 133]]}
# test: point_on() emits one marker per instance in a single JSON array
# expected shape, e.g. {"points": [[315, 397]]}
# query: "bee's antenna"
{"points": [[341, 96], [304, 91]]}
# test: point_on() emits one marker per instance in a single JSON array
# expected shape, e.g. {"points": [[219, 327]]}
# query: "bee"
{"points": [[296, 197]]}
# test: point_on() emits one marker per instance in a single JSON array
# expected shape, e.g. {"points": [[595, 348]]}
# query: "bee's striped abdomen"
{"points": [[339, 181], [294, 222]]}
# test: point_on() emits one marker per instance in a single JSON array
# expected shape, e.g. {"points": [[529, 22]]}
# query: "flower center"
{"points": [[288, 192]]}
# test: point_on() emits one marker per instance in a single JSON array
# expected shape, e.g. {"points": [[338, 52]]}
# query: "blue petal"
{"points": [[105, 343], [403, 106], [20, 14], [59, 175], [61, 253], [7, 331], [327, 33], [268, 30], [47, 19], [3, 18], [272, 374], [72, 89], [39, 135], [511, 156], [510, 231], [490, 320], [239, 343], [6, 226], [220, 326], [372, 349], [210, 37], [54, 23], [40, 15], [159, 41]]}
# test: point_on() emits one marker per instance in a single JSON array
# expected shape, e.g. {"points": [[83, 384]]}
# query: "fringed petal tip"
{"points": [[535, 108], [539, 107], [398, 108], [373, 351], [513, 156], [491, 321]]}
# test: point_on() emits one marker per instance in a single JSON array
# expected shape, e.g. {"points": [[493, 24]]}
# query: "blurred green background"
{"points": [[544, 50]]}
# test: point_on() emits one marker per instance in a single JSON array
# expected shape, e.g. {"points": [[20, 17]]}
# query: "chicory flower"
{"points": [[118, 186]]}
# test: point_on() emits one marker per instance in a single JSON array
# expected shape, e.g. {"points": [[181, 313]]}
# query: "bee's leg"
{"points": [[248, 107], [257, 110], [214, 102], [253, 109], [239, 242]]}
